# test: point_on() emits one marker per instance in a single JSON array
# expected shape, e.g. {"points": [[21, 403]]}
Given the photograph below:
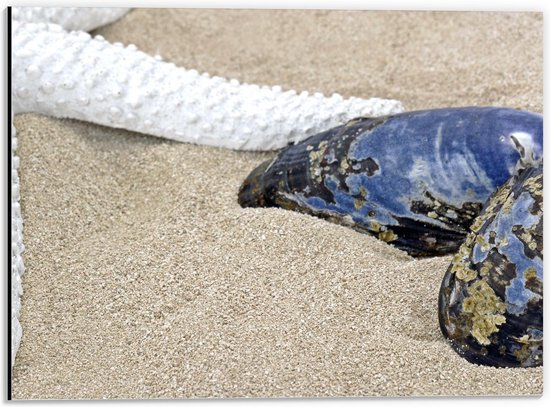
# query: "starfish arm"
{"points": [[70, 18], [72, 75], [17, 249]]}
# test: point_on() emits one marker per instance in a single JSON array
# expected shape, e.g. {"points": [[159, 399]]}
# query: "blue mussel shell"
{"points": [[416, 180], [490, 301]]}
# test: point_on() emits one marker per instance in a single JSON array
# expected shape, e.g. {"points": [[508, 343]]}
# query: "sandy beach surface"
{"points": [[145, 279]]}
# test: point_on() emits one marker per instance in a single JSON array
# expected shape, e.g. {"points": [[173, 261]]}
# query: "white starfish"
{"points": [[69, 74]]}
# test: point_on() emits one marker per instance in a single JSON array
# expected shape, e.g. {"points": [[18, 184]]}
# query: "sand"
{"points": [[145, 279]]}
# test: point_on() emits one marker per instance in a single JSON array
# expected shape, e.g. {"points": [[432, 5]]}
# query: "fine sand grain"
{"points": [[145, 278]]}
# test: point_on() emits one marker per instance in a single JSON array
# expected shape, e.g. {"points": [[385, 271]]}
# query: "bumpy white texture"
{"points": [[72, 75], [70, 18], [17, 249]]}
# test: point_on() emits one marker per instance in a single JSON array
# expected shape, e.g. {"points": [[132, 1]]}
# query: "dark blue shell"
{"points": [[416, 179], [490, 302]]}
